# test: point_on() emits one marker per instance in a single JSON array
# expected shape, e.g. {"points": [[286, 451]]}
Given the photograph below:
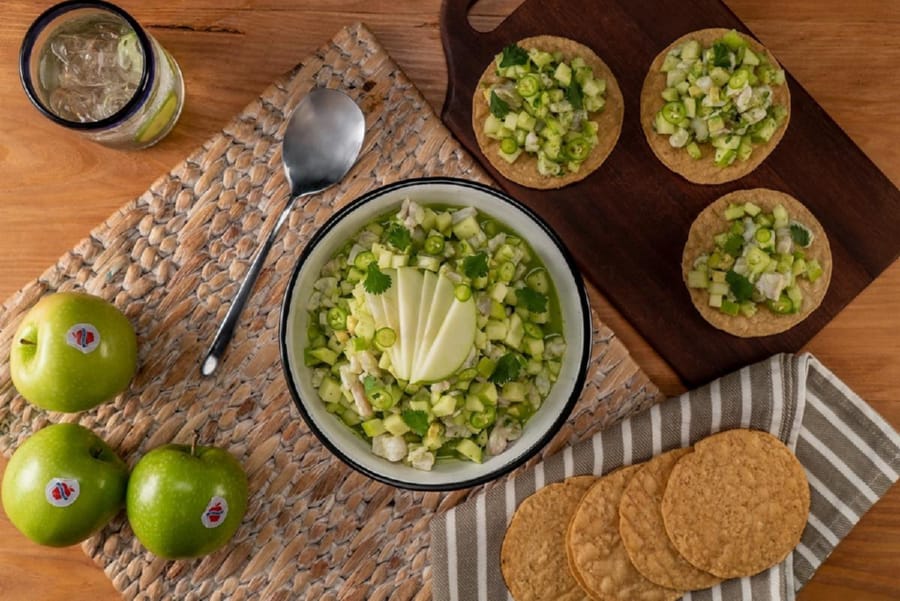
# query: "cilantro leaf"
{"points": [[739, 285], [800, 235], [574, 95], [721, 55], [475, 266], [416, 420], [398, 236], [533, 300], [733, 245], [376, 280], [513, 55], [499, 107], [507, 369]]}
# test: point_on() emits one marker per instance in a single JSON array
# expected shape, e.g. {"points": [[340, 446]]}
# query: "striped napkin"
{"points": [[851, 456]]}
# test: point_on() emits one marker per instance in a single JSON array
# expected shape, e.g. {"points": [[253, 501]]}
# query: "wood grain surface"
{"points": [[54, 187]]}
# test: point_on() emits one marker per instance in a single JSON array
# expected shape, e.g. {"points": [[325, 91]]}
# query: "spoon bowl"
{"points": [[321, 143]]}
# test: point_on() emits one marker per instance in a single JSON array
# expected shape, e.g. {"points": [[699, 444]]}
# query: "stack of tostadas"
{"points": [[733, 505]]}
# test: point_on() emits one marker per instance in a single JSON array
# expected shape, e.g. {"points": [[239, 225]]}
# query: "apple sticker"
{"points": [[62, 492], [215, 512], [84, 337]]}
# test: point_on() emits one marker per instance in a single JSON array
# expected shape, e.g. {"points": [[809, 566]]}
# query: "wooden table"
{"points": [[54, 187]]}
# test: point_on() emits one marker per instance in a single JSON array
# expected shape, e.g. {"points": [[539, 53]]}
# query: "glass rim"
{"points": [[40, 24]]}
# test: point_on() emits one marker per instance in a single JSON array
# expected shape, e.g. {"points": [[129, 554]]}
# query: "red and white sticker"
{"points": [[62, 492], [215, 513], [84, 337]]}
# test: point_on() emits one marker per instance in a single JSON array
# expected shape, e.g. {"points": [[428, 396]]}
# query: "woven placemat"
{"points": [[172, 261]]}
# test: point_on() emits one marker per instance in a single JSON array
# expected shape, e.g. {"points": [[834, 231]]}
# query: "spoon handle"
{"points": [[226, 328]]}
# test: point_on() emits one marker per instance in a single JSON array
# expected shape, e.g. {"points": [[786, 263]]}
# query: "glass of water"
{"points": [[90, 67]]}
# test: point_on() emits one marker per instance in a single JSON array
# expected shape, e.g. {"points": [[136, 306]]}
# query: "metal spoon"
{"points": [[321, 144]]}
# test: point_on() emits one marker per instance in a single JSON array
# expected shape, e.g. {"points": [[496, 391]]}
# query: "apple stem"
{"points": [[26, 341], [194, 442]]}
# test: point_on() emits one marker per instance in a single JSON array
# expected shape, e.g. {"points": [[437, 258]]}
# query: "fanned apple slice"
{"points": [[441, 300], [385, 311], [429, 283], [391, 309], [376, 308], [409, 295], [435, 331], [452, 344]]}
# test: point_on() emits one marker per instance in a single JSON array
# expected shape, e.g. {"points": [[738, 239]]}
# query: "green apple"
{"points": [[63, 484], [185, 501], [72, 352]]}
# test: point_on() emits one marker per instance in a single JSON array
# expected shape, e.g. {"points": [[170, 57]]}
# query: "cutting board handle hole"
{"points": [[486, 15]]}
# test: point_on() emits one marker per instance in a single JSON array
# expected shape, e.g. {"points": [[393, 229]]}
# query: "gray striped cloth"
{"points": [[851, 456]]}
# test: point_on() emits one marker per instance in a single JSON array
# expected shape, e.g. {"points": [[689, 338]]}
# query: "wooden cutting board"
{"points": [[627, 223]]}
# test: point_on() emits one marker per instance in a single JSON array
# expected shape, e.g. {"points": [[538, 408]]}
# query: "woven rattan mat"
{"points": [[172, 259]]}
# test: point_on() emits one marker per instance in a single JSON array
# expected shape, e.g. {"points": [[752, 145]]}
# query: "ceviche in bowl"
{"points": [[435, 334]]}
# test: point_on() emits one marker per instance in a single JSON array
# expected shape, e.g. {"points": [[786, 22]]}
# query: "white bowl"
{"points": [[452, 474]]}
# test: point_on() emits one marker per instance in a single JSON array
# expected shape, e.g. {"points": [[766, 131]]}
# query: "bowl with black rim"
{"points": [[448, 473]]}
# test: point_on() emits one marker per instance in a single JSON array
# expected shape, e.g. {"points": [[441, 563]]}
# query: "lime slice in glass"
{"points": [[160, 120]]}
